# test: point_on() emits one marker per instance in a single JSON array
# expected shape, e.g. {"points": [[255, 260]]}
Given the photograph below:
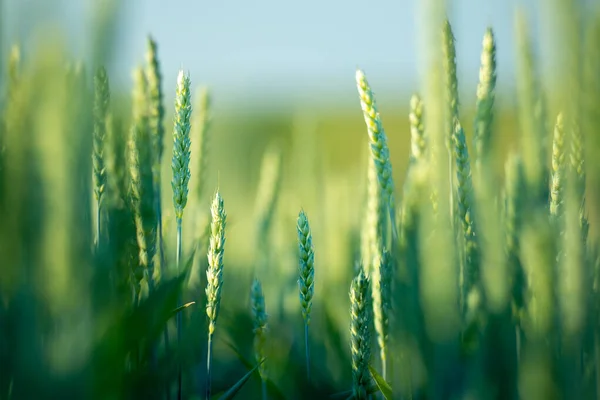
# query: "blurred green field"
{"points": [[75, 324]]}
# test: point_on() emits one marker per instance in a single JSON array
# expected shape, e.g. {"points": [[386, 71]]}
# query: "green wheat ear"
{"points": [[214, 274], [377, 139], [486, 93], [381, 285], [360, 334], [180, 163], [306, 279]]}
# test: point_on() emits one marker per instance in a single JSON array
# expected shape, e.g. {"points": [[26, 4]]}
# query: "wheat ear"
{"points": [[214, 274], [306, 279]]}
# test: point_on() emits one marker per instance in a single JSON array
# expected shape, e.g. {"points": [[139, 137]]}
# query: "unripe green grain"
{"points": [[381, 285], [306, 272]]}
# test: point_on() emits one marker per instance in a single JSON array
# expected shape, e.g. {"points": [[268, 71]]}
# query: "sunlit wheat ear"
{"points": [[381, 285], [259, 319], [142, 184], [200, 132], [418, 142], [377, 140], [306, 275], [486, 93], [180, 163], [558, 168], [214, 272], [360, 334], [101, 105]]}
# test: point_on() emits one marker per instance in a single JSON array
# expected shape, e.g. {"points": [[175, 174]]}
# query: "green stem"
{"points": [[307, 352], [208, 360], [98, 227], [178, 262], [264, 389]]}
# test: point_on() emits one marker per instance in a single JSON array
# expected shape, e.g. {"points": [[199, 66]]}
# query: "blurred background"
{"points": [[279, 74]]}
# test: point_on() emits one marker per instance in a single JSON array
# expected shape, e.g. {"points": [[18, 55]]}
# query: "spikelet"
{"points": [[267, 194], [180, 163], [156, 106], [214, 272], [373, 225], [360, 333]]}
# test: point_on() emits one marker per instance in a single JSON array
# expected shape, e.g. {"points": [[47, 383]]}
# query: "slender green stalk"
{"points": [[259, 318], [101, 106], [360, 334], [306, 281], [181, 171], [214, 275]]}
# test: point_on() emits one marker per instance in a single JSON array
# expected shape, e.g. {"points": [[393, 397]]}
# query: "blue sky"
{"points": [[278, 52]]}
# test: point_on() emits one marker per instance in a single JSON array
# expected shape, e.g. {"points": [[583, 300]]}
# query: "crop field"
{"points": [[154, 248]]}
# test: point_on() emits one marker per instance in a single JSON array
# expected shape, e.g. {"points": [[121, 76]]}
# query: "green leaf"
{"points": [[180, 308], [383, 386], [275, 392], [230, 394]]}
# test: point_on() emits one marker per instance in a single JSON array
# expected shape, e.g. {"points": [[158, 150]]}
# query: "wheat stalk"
{"points": [[214, 274], [180, 166], [360, 334], [101, 106], [259, 318], [306, 279]]}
